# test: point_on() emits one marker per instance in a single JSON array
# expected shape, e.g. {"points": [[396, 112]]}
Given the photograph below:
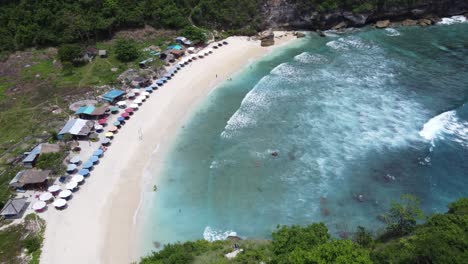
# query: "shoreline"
{"points": [[102, 222]]}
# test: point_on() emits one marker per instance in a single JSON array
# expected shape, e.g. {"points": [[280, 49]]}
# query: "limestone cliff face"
{"points": [[293, 14]]}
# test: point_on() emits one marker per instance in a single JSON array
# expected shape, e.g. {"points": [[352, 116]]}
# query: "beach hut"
{"points": [[33, 178], [113, 96], [42, 148], [47, 196], [76, 128], [71, 185], [14, 208], [88, 165], [78, 178], [75, 160], [60, 203], [65, 194], [39, 206], [91, 112], [71, 168], [53, 189]]}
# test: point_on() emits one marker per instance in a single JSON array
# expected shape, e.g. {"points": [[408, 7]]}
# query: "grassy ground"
{"points": [[33, 85], [26, 237]]}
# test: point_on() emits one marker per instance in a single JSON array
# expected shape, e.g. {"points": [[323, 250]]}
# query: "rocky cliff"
{"points": [[297, 14]]}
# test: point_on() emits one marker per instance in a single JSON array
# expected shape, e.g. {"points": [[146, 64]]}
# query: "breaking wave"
{"points": [[392, 32], [211, 234], [452, 20], [446, 126]]}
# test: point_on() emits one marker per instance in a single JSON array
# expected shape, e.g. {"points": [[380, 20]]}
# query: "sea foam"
{"points": [[452, 20], [211, 234], [446, 124]]}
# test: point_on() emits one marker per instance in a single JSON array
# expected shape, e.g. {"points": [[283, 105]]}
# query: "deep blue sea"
{"points": [[326, 129]]}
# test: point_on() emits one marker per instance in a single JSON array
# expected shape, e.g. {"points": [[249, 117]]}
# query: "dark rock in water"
{"points": [[382, 24], [325, 212], [321, 33], [156, 244], [389, 178], [361, 198], [274, 154], [234, 238]]}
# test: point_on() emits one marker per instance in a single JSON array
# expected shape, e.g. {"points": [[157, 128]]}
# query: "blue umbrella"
{"points": [[94, 159], [164, 79], [167, 76], [71, 167], [120, 119], [98, 152], [149, 89], [159, 82], [83, 172], [88, 165]]}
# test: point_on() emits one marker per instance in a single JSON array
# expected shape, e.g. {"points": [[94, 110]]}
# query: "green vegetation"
{"points": [[442, 239], [69, 52], [196, 35], [27, 235], [126, 50], [52, 161]]}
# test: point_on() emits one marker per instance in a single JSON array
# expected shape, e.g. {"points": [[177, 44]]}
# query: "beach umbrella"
{"points": [[112, 129], [75, 160], [210, 50], [45, 196], [147, 94], [129, 110], [219, 44], [142, 97], [149, 90], [54, 188], [98, 152], [39, 206], [65, 194], [125, 115], [215, 47], [106, 141], [98, 127], [102, 121], [131, 95], [85, 172], [88, 165], [191, 49], [160, 82], [225, 42], [59, 203], [71, 167], [120, 119], [114, 109], [94, 159], [122, 103], [136, 91], [164, 79], [71, 185], [78, 178], [206, 53], [109, 134], [200, 55], [134, 106], [115, 123]]}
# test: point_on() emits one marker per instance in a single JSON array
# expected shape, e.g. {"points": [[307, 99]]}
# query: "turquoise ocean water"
{"points": [[356, 120]]}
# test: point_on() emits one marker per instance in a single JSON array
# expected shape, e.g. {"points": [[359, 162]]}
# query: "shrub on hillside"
{"points": [[126, 50]]}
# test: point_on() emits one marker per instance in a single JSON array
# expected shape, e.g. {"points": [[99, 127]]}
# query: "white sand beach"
{"points": [[99, 224]]}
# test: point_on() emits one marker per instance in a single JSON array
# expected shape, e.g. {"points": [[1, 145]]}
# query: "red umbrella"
{"points": [[129, 110], [124, 115], [102, 121]]}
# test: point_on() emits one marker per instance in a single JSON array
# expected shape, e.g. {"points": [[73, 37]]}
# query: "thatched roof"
{"points": [[13, 207], [29, 177]]}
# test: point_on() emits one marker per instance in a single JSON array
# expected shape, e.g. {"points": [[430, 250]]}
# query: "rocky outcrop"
{"points": [[267, 38], [292, 14], [382, 23]]}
